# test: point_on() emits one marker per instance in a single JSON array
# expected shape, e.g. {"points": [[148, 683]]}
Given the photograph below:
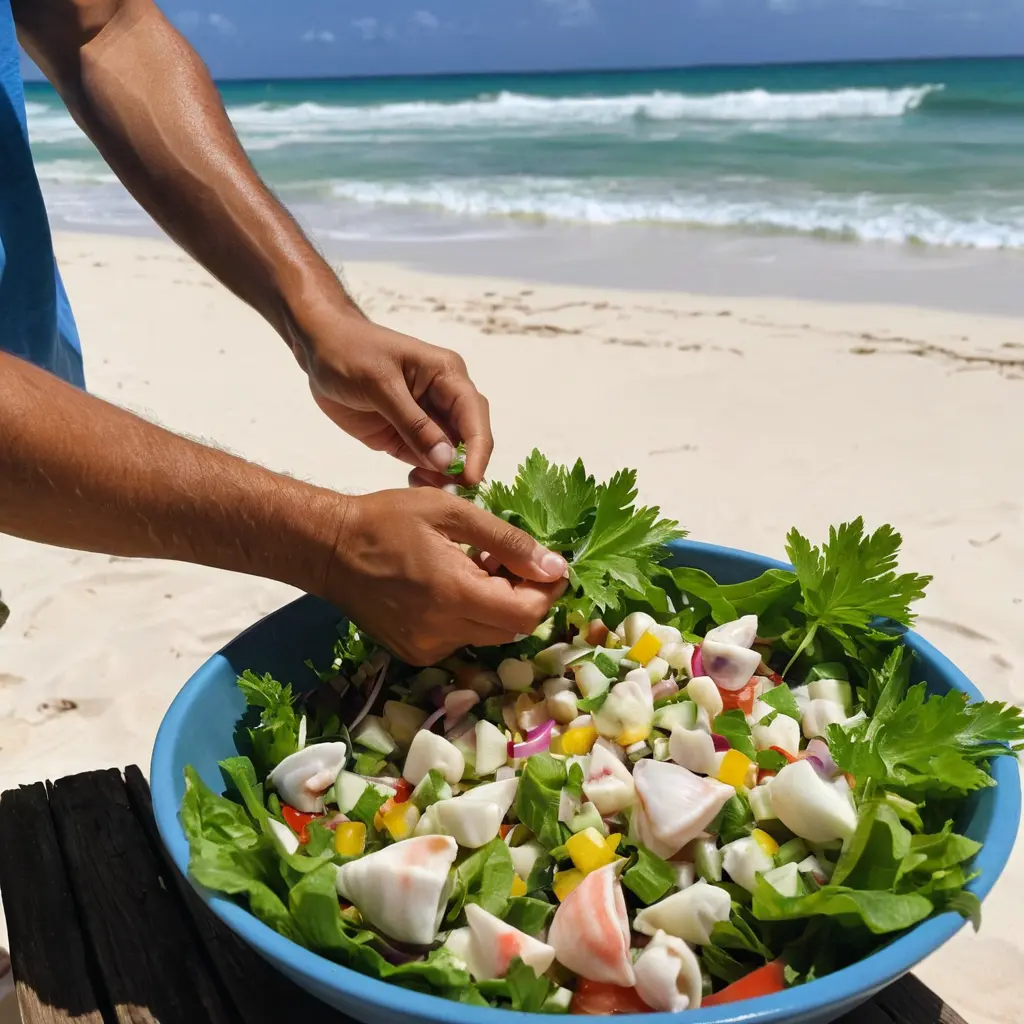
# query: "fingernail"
{"points": [[553, 565], [441, 455]]}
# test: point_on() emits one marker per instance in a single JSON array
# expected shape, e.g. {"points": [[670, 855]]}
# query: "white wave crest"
{"points": [[863, 218], [268, 126]]}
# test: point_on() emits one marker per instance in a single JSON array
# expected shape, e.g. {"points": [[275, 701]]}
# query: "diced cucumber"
{"points": [[432, 789], [661, 748], [371, 734], [350, 787], [794, 850], [552, 660], [558, 1002], [427, 679], [707, 859], [588, 817], [683, 714], [760, 799], [636, 751]]}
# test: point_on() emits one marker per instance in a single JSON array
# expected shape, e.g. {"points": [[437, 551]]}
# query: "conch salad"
{"points": [[677, 793]]}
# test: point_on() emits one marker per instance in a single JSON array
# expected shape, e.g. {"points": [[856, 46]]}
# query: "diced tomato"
{"points": [[785, 753], [763, 774], [599, 999], [850, 780], [762, 982], [297, 822], [403, 791], [504, 829], [740, 699]]}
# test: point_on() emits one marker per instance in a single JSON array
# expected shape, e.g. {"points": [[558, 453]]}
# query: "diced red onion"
{"points": [[697, 663], [334, 820], [666, 688], [720, 742], [432, 719], [817, 765], [818, 748], [378, 685], [537, 741]]}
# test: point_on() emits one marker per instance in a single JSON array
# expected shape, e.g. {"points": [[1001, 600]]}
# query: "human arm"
{"points": [[144, 97], [80, 473]]}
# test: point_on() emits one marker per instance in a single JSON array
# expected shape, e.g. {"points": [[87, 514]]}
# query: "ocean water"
{"points": [[926, 153]]}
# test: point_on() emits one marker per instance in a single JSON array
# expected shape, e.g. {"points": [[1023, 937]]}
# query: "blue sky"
{"points": [[268, 38]]}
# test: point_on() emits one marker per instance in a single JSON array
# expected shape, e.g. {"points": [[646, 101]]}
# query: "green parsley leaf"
{"points": [[649, 877], [277, 734], [880, 912], [782, 700], [528, 914], [537, 799], [484, 877], [622, 549], [849, 582], [924, 746], [770, 761], [733, 726], [458, 464], [550, 502]]}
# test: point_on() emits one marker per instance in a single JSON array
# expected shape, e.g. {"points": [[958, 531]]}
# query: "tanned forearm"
{"points": [[145, 98], [80, 473]]}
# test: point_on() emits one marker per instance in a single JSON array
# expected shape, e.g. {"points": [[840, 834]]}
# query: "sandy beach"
{"points": [[743, 416]]}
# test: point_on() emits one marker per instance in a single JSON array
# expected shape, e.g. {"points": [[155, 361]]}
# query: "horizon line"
{"points": [[625, 70]]}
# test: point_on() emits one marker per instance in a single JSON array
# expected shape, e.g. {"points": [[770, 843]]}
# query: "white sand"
{"points": [[744, 417]]}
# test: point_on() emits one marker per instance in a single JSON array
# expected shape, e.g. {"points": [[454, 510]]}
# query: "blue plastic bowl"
{"points": [[198, 730]]}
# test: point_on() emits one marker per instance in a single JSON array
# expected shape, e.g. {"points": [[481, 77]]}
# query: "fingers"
{"points": [[425, 440], [511, 547], [428, 478], [468, 415], [517, 608]]}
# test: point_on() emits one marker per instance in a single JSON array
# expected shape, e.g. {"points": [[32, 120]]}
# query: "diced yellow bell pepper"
{"points": [[518, 886], [733, 769], [612, 841], [350, 838], [765, 841], [644, 649], [635, 735], [588, 850], [578, 741], [401, 820], [565, 881]]}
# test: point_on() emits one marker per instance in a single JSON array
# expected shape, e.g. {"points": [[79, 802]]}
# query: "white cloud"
{"points": [[312, 35], [225, 26], [367, 27], [426, 19], [573, 12]]}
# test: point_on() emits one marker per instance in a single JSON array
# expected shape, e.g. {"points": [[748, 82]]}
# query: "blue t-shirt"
{"points": [[35, 317]]}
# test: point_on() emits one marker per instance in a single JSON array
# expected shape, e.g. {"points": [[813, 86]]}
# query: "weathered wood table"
{"points": [[104, 929]]}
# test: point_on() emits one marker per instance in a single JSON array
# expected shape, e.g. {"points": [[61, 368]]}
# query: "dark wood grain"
{"points": [[48, 957], [144, 950], [260, 994], [910, 1001]]}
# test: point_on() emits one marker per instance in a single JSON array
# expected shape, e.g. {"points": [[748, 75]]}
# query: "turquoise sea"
{"points": [[927, 152]]}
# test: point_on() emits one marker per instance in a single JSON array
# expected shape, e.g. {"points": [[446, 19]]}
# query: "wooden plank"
{"points": [[48, 953], [910, 1001], [150, 967], [260, 994]]}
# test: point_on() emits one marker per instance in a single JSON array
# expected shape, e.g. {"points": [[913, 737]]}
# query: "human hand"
{"points": [[400, 573], [393, 392]]}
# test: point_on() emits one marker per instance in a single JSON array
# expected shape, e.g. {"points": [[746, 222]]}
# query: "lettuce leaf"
{"points": [[537, 799]]}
